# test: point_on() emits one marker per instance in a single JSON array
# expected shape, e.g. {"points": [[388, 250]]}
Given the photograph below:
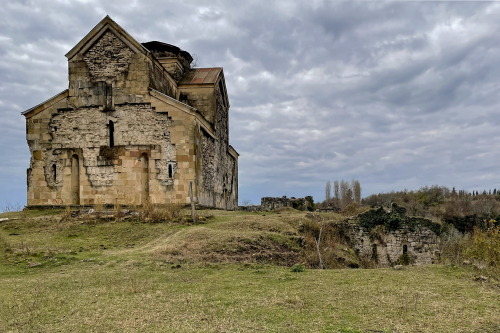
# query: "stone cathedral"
{"points": [[138, 124]]}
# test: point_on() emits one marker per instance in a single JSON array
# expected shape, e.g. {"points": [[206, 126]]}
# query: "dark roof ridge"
{"points": [[165, 47]]}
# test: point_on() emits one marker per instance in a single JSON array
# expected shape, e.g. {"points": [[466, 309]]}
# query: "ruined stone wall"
{"points": [[271, 203], [251, 208], [387, 247]]}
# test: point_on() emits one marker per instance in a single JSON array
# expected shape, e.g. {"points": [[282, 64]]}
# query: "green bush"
{"points": [[481, 249], [484, 249], [372, 218], [297, 268], [404, 259], [394, 220]]}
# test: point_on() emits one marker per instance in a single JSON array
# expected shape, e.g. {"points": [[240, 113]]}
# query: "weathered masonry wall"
{"points": [[109, 73], [219, 170], [108, 174], [218, 179], [419, 244], [108, 58], [272, 203]]}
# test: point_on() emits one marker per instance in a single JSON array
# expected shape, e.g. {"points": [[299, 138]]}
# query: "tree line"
{"points": [[461, 208]]}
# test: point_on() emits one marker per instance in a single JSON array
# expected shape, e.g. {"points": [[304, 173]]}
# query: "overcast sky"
{"points": [[397, 95]]}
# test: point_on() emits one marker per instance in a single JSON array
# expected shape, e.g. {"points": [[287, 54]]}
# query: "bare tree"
{"points": [[318, 246], [356, 189], [336, 192], [345, 194], [328, 193]]}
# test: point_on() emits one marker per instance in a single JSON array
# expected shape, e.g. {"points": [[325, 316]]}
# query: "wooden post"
{"points": [[191, 196]]}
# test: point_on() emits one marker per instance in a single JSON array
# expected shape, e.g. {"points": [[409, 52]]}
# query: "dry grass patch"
{"points": [[238, 237], [159, 213], [245, 298], [117, 283], [203, 244]]}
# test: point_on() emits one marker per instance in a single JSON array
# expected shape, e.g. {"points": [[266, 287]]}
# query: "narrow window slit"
{"points": [[111, 126], [170, 171], [54, 172]]}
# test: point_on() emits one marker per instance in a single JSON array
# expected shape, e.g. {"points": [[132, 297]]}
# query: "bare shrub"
{"points": [[453, 244], [159, 213], [4, 245], [98, 210], [118, 213], [483, 249], [10, 207], [351, 209], [326, 245]]}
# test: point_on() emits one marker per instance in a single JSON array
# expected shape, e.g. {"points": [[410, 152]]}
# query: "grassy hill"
{"points": [[230, 273]]}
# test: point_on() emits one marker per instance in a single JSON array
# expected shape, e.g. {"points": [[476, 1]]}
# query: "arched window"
{"points": [[405, 249], [111, 126]]}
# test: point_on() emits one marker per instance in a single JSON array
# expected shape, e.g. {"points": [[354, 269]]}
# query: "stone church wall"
{"points": [[109, 171], [119, 135]]}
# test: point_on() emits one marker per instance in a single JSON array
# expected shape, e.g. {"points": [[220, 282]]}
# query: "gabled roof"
{"points": [[44, 105], [184, 108], [201, 76], [233, 152], [106, 24]]}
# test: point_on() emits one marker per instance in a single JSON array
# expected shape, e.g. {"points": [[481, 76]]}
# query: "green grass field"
{"points": [[60, 274]]}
